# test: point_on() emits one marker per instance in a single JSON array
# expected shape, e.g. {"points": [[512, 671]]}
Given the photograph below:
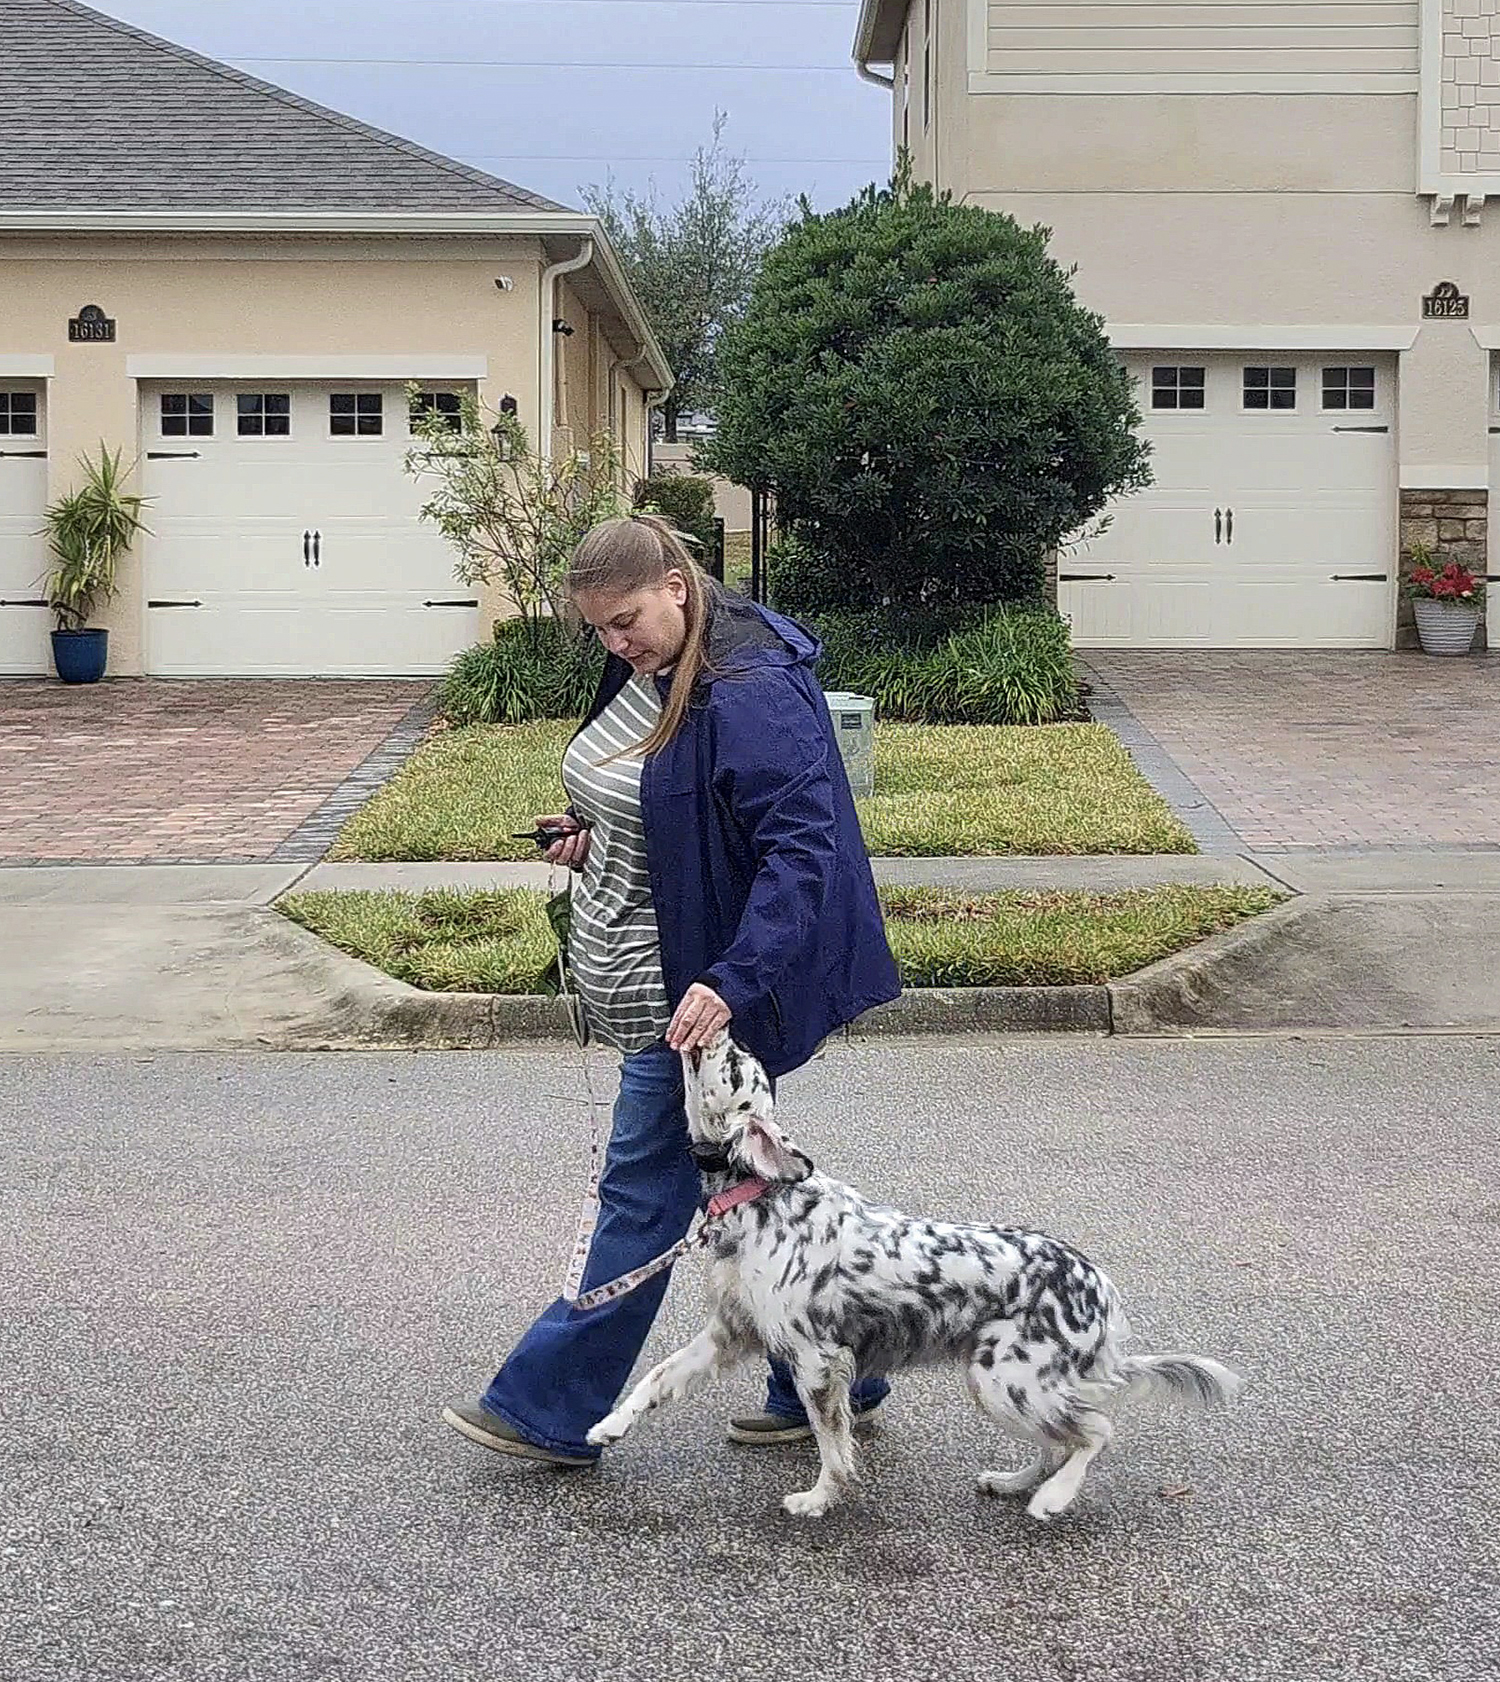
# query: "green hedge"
{"points": [[526, 673], [684, 499], [1007, 666]]}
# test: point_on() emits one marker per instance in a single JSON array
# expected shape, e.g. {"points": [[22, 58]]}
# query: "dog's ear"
{"points": [[767, 1151]]}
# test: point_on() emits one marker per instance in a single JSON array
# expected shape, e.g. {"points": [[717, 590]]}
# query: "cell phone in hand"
{"points": [[544, 837]]}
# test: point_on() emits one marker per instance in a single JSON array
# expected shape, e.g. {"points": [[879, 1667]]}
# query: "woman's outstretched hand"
{"points": [[574, 850], [698, 1018]]}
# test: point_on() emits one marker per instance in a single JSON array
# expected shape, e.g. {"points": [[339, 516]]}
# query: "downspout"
{"points": [[550, 278], [869, 75], [616, 368]]}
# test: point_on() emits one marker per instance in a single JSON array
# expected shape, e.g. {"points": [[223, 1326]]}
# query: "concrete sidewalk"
{"points": [[264, 884], [173, 957]]}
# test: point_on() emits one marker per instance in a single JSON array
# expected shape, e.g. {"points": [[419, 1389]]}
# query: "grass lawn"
{"points": [[738, 559], [941, 791], [499, 942]]}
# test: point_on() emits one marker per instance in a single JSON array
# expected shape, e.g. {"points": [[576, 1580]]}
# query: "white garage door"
{"points": [[24, 621], [1272, 519], [285, 536]]}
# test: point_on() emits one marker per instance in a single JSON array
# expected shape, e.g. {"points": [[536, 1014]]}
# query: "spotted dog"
{"points": [[810, 1272]]}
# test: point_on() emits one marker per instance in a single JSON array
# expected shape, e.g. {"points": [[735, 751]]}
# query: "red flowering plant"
{"points": [[1442, 579]]}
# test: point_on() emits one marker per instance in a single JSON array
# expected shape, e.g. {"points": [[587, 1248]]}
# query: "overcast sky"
{"points": [[554, 94]]}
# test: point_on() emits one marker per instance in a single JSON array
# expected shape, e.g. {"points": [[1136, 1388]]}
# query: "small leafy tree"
{"points": [[691, 263], [88, 531], [933, 410], [513, 517]]}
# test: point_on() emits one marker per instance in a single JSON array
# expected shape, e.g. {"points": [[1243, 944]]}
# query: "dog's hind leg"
{"points": [[1002, 1379], [1092, 1431], [823, 1385], [716, 1349], [1021, 1481]]}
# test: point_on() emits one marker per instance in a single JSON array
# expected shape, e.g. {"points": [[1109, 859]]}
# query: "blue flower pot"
{"points": [[80, 656]]}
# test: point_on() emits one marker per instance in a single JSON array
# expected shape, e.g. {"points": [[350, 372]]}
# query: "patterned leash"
{"points": [[588, 1217]]}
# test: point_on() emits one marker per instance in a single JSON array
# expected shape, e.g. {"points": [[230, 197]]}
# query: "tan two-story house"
{"points": [[1282, 212], [236, 288]]}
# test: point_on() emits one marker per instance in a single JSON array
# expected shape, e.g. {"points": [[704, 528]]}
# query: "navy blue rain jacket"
{"points": [[759, 874]]}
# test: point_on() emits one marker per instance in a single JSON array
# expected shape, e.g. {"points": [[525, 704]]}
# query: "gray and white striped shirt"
{"points": [[614, 949]]}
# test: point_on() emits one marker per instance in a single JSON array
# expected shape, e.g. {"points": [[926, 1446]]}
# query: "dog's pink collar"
{"points": [[746, 1191]]}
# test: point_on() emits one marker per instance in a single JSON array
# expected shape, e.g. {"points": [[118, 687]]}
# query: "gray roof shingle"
{"points": [[99, 115]]}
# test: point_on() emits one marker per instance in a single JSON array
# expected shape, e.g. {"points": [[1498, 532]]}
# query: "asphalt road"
{"points": [[236, 1291]]}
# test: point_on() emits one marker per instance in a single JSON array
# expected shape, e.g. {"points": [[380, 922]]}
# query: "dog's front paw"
{"points": [[806, 1503], [609, 1430]]}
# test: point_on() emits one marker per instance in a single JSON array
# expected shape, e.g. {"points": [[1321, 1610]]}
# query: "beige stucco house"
{"points": [[1282, 212], [236, 287]]}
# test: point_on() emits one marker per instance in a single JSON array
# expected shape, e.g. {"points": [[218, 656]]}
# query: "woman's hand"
{"points": [[572, 851], [698, 1018]]}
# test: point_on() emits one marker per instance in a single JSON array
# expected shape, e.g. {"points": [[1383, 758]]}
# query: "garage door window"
{"points": [[18, 414], [187, 414], [265, 414], [444, 403], [356, 414], [1176, 388], [1270, 388], [1348, 388]]}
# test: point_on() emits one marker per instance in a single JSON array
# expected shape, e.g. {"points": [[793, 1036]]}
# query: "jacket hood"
{"points": [[742, 634]]}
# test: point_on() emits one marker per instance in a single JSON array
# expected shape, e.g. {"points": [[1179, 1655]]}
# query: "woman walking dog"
{"points": [[724, 881]]}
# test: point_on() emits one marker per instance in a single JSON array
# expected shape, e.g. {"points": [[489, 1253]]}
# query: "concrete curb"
{"points": [[401, 1016], [1178, 993], [989, 1010], [1173, 996]]}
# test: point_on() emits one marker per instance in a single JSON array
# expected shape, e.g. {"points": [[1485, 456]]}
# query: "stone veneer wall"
{"points": [[1471, 87], [1452, 523]]}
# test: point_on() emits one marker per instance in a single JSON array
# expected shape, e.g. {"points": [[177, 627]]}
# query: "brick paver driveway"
{"points": [[1313, 748], [160, 770]]}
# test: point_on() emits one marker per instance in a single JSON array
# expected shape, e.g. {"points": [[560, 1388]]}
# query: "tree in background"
{"points": [[691, 264], [932, 408]]}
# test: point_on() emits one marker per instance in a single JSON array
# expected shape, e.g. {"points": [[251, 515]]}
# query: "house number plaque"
{"points": [[91, 326], [1445, 303]]}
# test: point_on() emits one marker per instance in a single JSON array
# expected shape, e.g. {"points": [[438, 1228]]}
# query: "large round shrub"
{"points": [[930, 405]]}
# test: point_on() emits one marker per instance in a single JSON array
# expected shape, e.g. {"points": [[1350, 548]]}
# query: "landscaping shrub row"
{"points": [[1005, 666]]}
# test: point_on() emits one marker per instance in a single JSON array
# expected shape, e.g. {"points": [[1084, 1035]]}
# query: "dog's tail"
{"points": [[1192, 1379]]}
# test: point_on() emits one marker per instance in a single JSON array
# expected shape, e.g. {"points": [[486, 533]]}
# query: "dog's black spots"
{"points": [[986, 1356], [1018, 1399], [743, 1107]]}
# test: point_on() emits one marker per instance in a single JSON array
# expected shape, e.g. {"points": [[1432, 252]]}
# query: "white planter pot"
{"points": [[1445, 627]]}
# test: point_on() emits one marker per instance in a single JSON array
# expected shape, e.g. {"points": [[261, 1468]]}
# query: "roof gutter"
{"points": [[519, 223], [873, 14]]}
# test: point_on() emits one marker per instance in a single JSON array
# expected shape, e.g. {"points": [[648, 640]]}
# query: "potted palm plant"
{"points": [[87, 532]]}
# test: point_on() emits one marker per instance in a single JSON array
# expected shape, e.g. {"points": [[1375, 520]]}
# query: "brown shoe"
{"points": [[766, 1430], [481, 1426]]}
